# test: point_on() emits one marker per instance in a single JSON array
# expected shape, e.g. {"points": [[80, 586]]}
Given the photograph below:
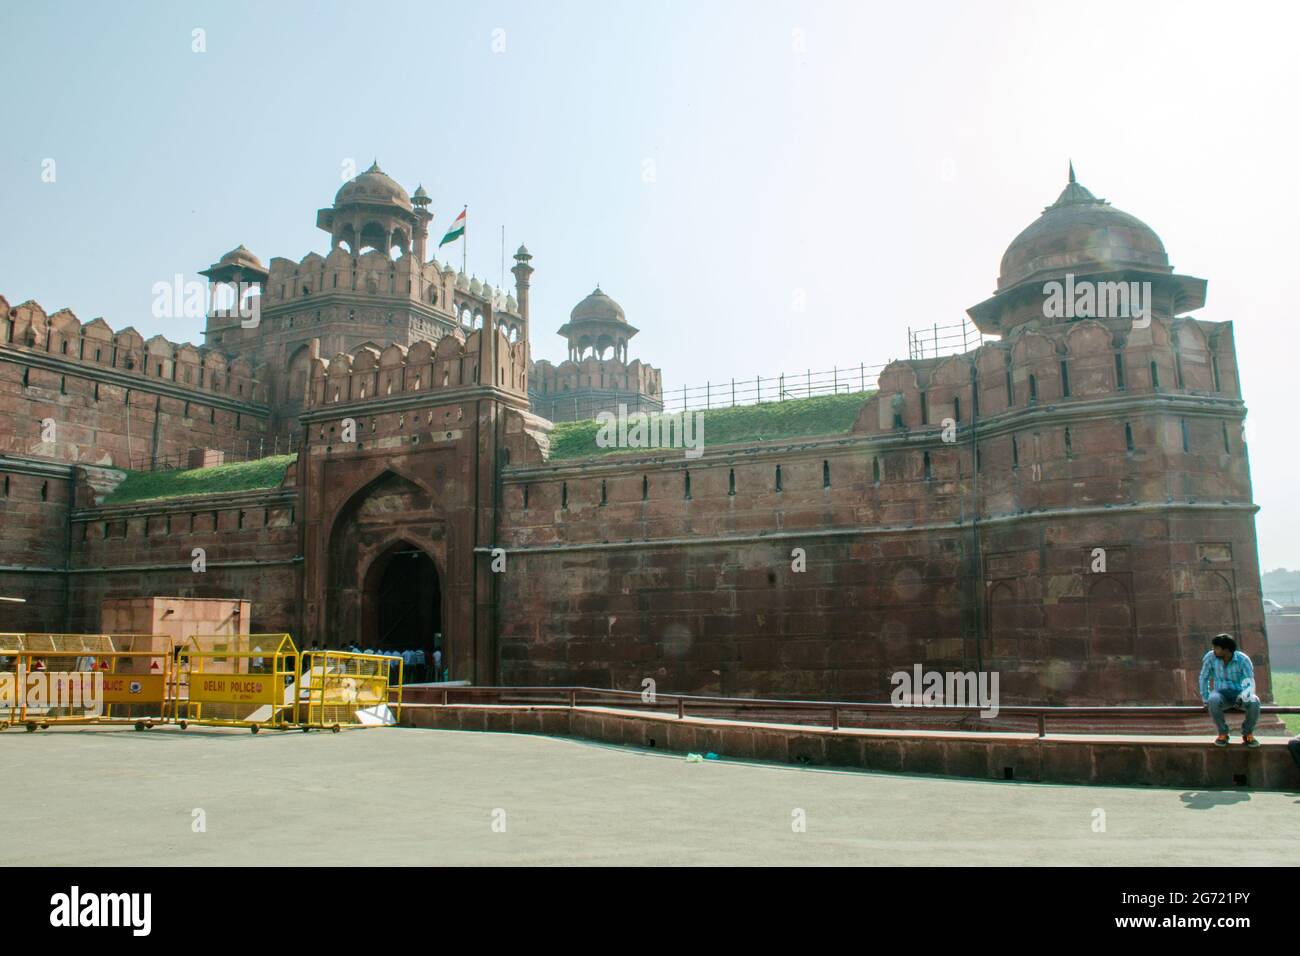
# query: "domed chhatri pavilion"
{"points": [[374, 211], [589, 382], [374, 289], [597, 325], [952, 520]]}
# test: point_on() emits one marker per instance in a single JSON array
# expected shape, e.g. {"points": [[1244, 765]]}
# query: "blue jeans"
{"points": [[1220, 700]]}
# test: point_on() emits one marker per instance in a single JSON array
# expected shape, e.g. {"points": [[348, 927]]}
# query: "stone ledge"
{"points": [[1102, 759]]}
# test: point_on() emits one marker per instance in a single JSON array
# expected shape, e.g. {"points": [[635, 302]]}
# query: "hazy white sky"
{"points": [[872, 159]]}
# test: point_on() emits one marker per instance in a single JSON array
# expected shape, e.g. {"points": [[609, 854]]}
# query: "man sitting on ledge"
{"points": [[1228, 680]]}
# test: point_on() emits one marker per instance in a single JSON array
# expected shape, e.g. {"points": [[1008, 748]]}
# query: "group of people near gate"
{"points": [[417, 665]]}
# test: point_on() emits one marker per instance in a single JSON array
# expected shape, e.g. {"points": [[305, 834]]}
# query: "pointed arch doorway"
{"points": [[401, 606]]}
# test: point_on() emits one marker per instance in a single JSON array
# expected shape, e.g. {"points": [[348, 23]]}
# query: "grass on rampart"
{"points": [[769, 421], [237, 476]]}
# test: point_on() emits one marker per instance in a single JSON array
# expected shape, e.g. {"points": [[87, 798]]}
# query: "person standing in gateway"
{"points": [[1228, 680]]}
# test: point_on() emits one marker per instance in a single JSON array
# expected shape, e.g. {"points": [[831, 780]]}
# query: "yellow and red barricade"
{"points": [[338, 689], [49, 679], [244, 680], [236, 680]]}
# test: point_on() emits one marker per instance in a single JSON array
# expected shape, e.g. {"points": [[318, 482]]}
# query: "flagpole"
{"points": [[464, 241]]}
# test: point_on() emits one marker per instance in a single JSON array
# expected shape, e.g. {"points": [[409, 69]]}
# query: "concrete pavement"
{"points": [[411, 796]]}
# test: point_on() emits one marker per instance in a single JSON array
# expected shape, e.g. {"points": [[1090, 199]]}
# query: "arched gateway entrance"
{"points": [[386, 588], [402, 601]]}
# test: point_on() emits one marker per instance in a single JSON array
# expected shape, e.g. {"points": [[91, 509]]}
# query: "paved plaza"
{"points": [[406, 796]]}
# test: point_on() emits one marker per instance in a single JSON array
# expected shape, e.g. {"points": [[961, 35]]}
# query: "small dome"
{"points": [[1081, 234], [462, 282], [475, 286], [241, 256], [373, 186], [597, 307]]}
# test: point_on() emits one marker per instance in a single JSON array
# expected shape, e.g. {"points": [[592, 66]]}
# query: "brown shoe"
{"points": [[1249, 740], [1221, 740]]}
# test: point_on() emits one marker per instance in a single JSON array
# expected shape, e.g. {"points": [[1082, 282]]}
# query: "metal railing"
{"points": [[563, 407], [730, 393], [937, 340], [924, 343], [253, 450], [833, 711]]}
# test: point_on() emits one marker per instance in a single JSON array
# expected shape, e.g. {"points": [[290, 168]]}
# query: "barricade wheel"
{"points": [[306, 729], [45, 726], [184, 724], [336, 728], [31, 727], [254, 728], [139, 725], [4, 725]]}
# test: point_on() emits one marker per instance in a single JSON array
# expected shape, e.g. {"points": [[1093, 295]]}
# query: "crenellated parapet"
{"points": [[591, 372], [95, 345], [460, 299], [455, 362], [370, 274], [1040, 367]]}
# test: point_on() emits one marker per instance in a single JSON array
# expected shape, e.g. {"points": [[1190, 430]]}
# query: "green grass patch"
{"points": [[237, 476], [769, 421], [1286, 693]]}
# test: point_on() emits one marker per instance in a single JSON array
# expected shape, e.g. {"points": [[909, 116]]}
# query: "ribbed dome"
{"points": [[241, 256], [373, 186], [597, 307], [1081, 234]]}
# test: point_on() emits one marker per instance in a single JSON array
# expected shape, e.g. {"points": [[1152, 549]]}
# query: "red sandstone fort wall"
{"points": [[84, 394], [35, 500], [627, 568], [113, 398], [249, 544], [634, 566]]}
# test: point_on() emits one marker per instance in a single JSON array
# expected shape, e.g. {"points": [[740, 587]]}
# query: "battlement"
{"points": [[27, 326], [370, 274], [369, 372], [592, 372], [373, 273], [1086, 359]]}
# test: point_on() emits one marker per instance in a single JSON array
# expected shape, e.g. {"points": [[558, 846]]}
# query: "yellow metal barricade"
{"points": [[49, 679], [338, 689], [238, 680]]}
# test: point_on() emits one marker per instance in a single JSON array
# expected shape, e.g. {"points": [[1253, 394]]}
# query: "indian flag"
{"points": [[456, 231]]}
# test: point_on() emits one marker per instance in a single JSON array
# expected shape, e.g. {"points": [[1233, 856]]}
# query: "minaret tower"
{"points": [[522, 272], [423, 217]]}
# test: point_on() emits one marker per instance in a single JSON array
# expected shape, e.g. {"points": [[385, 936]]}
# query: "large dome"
{"points": [[241, 256], [373, 186], [597, 307], [1081, 234]]}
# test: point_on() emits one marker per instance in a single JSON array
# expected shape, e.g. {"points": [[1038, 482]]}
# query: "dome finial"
{"points": [[1075, 192]]}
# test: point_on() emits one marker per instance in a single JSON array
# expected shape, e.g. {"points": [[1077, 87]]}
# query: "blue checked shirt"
{"points": [[1236, 675]]}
